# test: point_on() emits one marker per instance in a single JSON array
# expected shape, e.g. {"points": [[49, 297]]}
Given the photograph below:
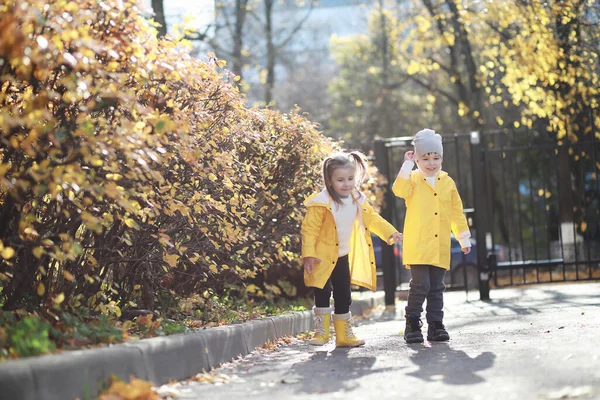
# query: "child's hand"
{"points": [[395, 238], [466, 250], [309, 263], [409, 156]]}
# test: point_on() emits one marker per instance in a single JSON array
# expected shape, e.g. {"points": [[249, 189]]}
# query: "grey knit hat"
{"points": [[427, 141]]}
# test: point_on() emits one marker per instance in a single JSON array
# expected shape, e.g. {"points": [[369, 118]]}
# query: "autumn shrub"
{"points": [[133, 174]]}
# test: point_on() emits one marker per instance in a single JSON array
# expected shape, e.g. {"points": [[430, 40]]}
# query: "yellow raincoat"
{"points": [[320, 240], [431, 214]]}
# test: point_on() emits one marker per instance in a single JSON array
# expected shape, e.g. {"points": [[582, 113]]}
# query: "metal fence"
{"points": [[532, 202]]}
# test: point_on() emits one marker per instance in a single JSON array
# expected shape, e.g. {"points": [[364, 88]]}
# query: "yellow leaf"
{"points": [[136, 389], [7, 253], [413, 68], [59, 298], [68, 276], [131, 223], [38, 252], [214, 269], [252, 288], [41, 289], [171, 259]]}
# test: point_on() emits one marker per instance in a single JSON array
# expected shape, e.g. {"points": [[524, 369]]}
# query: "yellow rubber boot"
{"points": [[344, 337], [322, 326]]}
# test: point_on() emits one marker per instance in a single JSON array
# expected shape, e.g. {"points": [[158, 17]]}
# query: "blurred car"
{"points": [[454, 278], [457, 257]]}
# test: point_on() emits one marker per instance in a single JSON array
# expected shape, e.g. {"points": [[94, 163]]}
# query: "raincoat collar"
{"points": [[440, 173], [323, 198]]}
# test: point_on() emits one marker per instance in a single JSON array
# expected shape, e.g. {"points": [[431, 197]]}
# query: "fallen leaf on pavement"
{"points": [[136, 389]]}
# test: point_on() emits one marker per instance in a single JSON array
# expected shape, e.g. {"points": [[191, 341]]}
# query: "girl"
{"points": [[433, 209], [337, 250]]}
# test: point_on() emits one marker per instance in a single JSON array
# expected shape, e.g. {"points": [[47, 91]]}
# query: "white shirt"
{"points": [[344, 216]]}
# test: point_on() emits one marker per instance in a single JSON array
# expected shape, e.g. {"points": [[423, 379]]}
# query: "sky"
{"points": [[175, 10]]}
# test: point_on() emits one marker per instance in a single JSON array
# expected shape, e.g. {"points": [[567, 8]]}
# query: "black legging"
{"points": [[339, 283]]}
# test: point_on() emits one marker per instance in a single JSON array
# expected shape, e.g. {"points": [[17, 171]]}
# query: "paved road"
{"points": [[539, 342]]}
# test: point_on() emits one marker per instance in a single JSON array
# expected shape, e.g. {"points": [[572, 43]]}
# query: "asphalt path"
{"points": [[536, 342]]}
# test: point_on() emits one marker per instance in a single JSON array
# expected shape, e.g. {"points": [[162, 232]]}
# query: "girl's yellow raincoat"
{"points": [[320, 240], [431, 214]]}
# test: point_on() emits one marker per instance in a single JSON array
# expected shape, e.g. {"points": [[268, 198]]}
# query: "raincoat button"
{"points": [[435, 213], [337, 244], [435, 194], [333, 262], [436, 235], [439, 179]]}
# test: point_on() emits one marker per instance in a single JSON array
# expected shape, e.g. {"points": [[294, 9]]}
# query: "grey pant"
{"points": [[427, 283]]}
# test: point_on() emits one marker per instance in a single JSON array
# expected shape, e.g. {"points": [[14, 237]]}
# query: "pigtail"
{"points": [[361, 167]]}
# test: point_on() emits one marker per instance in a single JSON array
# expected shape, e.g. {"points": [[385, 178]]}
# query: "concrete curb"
{"points": [[81, 373], [367, 301]]}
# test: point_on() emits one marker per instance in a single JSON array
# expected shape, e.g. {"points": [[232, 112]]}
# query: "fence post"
{"points": [[387, 252], [480, 200]]}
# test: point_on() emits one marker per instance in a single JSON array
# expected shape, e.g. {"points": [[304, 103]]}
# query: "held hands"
{"points": [[309, 263], [395, 238], [409, 156], [466, 250]]}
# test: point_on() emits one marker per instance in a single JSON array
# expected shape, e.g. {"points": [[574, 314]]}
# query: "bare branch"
{"points": [[297, 27]]}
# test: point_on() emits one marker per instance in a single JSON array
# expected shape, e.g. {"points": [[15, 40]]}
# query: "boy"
{"points": [[433, 209]]}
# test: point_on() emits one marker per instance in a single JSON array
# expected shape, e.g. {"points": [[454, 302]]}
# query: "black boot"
{"points": [[436, 332], [412, 332]]}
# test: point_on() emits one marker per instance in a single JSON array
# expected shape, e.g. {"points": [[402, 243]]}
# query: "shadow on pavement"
{"points": [[376, 317], [333, 371], [454, 367], [546, 298]]}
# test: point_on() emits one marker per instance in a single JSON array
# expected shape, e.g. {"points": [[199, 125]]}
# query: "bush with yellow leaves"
{"points": [[132, 172]]}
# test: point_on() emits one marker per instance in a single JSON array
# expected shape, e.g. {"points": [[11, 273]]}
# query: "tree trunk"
{"points": [[238, 39], [565, 33], [270, 81], [385, 67], [159, 16]]}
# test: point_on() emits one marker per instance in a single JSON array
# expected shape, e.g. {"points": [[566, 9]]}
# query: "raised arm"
{"points": [[403, 186]]}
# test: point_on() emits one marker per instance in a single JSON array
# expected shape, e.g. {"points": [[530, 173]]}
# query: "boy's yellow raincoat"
{"points": [[320, 240], [431, 214]]}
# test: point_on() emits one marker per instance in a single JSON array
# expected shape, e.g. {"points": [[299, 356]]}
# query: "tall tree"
{"points": [[159, 16], [273, 48], [547, 58]]}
